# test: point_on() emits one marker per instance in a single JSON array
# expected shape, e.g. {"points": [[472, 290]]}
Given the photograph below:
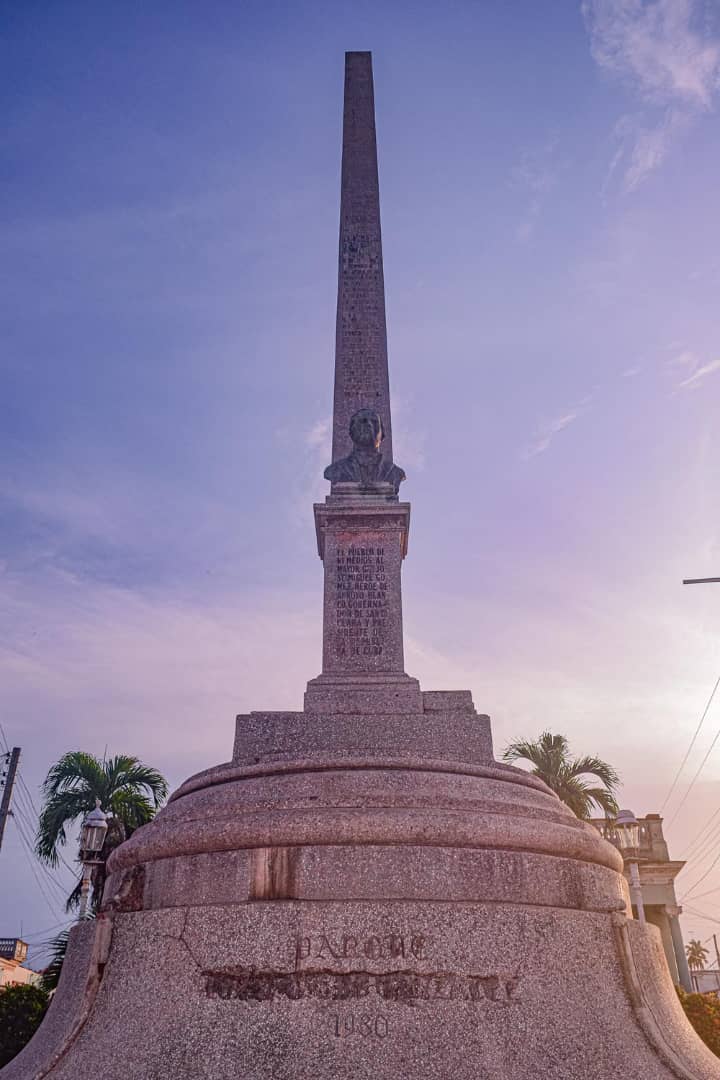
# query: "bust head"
{"points": [[366, 430]]}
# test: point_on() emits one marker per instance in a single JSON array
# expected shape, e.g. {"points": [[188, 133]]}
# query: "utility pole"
{"points": [[717, 953], [14, 757]]}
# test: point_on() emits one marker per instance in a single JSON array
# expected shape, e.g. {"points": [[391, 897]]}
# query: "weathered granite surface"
{"points": [[363, 915], [295, 991], [70, 1006]]}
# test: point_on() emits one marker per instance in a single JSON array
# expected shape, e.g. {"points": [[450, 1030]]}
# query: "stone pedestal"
{"points": [[362, 543], [364, 895], [362, 540]]}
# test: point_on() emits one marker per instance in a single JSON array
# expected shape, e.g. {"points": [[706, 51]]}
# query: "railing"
{"points": [[609, 832]]}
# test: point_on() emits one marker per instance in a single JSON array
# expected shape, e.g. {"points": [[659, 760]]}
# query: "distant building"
{"points": [[706, 981], [13, 952], [657, 881]]}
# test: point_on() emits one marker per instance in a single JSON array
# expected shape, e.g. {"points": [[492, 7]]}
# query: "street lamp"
{"points": [[628, 835], [92, 837]]}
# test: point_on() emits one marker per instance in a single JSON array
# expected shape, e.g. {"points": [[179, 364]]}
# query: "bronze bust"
{"points": [[365, 465]]}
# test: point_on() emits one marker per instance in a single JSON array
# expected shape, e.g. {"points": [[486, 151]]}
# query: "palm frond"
{"points": [[128, 772], [605, 800], [549, 756], [58, 947], [58, 813], [73, 901], [132, 807], [71, 771], [595, 766]]}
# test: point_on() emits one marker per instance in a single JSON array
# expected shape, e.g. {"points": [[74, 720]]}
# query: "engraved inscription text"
{"points": [[362, 601]]}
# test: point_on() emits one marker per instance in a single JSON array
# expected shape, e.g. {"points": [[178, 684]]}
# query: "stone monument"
{"points": [[363, 891]]}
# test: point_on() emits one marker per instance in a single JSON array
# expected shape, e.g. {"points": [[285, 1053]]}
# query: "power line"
{"points": [[702, 915], [689, 749], [25, 829], [23, 794], [36, 937], [706, 826], [692, 782], [51, 907], [709, 870], [704, 846], [26, 789], [708, 893]]}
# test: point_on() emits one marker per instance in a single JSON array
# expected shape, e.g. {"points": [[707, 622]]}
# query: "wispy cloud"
{"points": [[645, 148], [670, 62], [535, 174], [409, 436], [318, 435], [146, 663], [548, 430], [310, 486], [696, 372]]}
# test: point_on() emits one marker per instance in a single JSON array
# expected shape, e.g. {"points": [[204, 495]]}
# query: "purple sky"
{"points": [[552, 259]]}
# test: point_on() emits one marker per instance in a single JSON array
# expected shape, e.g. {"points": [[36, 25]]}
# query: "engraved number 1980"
{"points": [[363, 1024]]}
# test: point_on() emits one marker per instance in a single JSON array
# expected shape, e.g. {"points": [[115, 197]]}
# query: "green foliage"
{"points": [[128, 790], [567, 777], [696, 954], [131, 791], [703, 1012], [21, 1010], [58, 948]]}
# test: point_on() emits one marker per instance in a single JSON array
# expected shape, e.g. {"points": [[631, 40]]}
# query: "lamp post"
{"points": [[92, 837], [628, 834]]}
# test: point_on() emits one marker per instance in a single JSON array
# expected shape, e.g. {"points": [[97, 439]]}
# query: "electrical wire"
{"points": [[25, 794], [686, 851], [26, 789], [694, 779], [706, 846], [708, 893], [37, 937], [709, 870], [22, 827], [702, 915], [51, 906], [692, 743]]}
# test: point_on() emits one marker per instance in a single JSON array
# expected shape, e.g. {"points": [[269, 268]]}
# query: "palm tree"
{"points": [[567, 777], [696, 954], [58, 947], [129, 792]]}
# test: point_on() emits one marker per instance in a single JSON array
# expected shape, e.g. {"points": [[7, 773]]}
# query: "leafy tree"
{"points": [[21, 1010], [703, 1012], [568, 777], [129, 792], [696, 954]]}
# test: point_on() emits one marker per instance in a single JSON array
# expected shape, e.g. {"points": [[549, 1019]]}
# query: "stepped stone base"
{"points": [[365, 895]]}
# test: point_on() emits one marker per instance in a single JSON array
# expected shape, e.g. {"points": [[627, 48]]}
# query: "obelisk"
{"points": [[361, 359], [362, 528], [363, 892]]}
